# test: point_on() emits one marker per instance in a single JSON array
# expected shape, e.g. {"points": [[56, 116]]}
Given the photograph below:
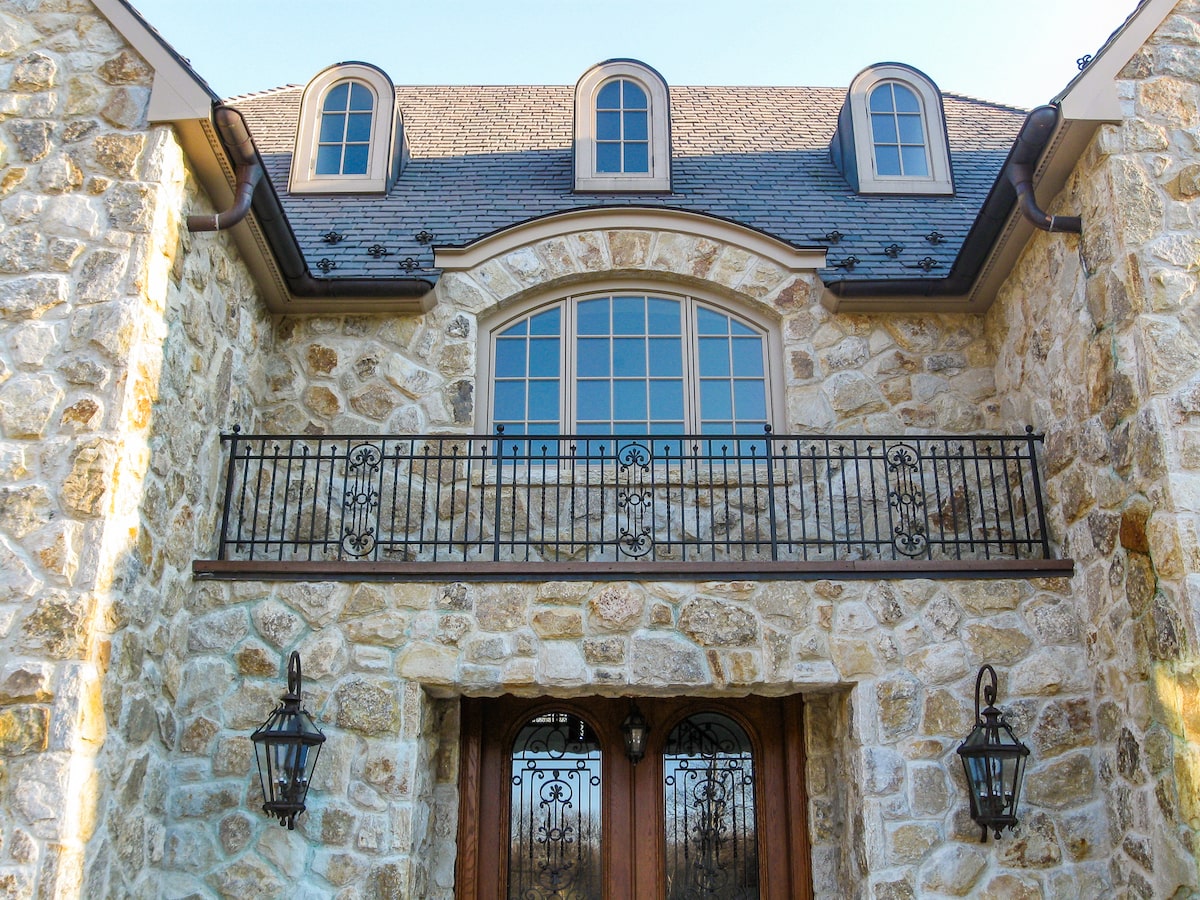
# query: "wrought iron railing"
{"points": [[631, 500]]}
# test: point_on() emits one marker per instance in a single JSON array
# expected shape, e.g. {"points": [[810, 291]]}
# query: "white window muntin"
{"points": [[938, 180], [590, 168], [382, 145], [706, 373]]}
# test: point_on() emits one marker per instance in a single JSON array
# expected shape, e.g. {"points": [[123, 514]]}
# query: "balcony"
{"points": [[500, 507]]}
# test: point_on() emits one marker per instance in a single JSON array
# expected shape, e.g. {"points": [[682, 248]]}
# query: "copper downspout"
{"points": [[1034, 136], [237, 141]]}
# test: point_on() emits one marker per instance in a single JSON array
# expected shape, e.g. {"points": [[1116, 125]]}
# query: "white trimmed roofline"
{"points": [[634, 218]]}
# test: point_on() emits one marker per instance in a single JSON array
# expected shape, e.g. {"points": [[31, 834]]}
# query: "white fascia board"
{"points": [[1092, 95], [178, 93]]}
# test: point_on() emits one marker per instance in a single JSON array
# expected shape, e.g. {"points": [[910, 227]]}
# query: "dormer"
{"points": [[622, 129], [891, 134], [350, 136]]}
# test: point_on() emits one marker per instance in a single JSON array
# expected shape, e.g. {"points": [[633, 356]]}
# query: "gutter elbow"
{"points": [[236, 138], [1033, 138]]}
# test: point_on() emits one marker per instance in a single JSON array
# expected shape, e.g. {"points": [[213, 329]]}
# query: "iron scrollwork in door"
{"points": [[554, 840], [711, 834]]}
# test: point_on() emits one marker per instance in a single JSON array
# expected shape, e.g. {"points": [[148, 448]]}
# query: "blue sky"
{"points": [[1019, 52]]}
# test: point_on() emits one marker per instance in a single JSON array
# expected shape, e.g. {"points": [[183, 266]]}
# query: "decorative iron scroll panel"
{"points": [[662, 498], [555, 820], [710, 827]]}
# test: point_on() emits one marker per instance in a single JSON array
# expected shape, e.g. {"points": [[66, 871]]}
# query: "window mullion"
{"points": [[567, 366], [691, 368]]}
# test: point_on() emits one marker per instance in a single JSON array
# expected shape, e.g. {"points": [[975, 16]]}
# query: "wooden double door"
{"points": [[552, 808]]}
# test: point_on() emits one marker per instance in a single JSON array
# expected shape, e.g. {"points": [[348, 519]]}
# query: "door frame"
{"points": [[775, 726]]}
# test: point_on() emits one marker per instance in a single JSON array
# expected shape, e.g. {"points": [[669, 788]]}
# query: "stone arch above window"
{"points": [[622, 129], [891, 136], [349, 136]]}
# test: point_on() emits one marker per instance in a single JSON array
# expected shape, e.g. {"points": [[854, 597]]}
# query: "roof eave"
{"points": [[1000, 232]]}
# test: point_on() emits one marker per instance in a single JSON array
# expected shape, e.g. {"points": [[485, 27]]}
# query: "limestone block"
{"points": [[32, 296], [126, 107], [428, 663], [386, 628], [910, 841], [554, 623], [27, 404], [249, 876], [616, 607], [318, 603], [58, 547], [952, 870], [24, 730], [325, 653], [561, 663], [23, 510], [713, 623], [666, 661], [1052, 670], [899, 702], [370, 708]]}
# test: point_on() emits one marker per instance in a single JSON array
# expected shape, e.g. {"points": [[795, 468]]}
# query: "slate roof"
{"points": [[487, 157]]}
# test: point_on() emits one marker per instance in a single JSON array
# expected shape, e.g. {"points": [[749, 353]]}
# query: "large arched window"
{"points": [[622, 129], [349, 136], [630, 362]]}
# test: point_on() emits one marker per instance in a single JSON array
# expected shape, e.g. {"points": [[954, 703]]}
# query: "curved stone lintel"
{"points": [[791, 258]]}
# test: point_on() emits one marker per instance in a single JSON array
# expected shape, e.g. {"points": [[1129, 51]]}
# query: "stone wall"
{"points": [[1120, 306], [888, 669], [123, 346], [879, 374]]}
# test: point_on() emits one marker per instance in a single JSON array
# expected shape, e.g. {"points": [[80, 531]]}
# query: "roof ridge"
{"points": [[958, 95], [262, 93]]}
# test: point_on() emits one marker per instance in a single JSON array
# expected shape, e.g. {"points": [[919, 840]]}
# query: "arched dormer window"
{"points": [[892, 133], [622, 129], [349, 136]]}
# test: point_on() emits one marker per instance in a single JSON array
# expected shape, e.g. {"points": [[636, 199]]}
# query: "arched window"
{"points": [[622, 132], [896, 140], [344, 142], [622, 129], [630, 363], [898, 131], [349, 136]]}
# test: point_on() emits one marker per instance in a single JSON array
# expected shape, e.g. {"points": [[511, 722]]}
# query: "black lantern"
{"points": [[994, 761], [635, 730], [289, 742]]}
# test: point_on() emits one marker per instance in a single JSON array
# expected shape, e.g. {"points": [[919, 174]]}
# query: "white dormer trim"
{"points": [[940, 178], [386, 134], [658, 178]]}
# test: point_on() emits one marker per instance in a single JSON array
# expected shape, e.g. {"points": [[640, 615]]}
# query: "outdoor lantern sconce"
{"points": [[289, 742], [994, 761], [635, 730]]}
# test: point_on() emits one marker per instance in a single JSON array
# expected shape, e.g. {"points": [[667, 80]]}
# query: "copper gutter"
{"points": [[269, 214], [1035, 135], [1013, 185]]}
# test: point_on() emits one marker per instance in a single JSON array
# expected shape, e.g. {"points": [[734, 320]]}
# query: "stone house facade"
{"points": [[134, 668]]}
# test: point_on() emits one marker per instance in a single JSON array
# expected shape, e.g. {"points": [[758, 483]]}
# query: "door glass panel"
{"points": [[710, 832], [554, 827]]}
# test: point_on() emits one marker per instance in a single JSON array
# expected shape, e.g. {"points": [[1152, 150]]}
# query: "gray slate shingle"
{"points": [[487, 157]]}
